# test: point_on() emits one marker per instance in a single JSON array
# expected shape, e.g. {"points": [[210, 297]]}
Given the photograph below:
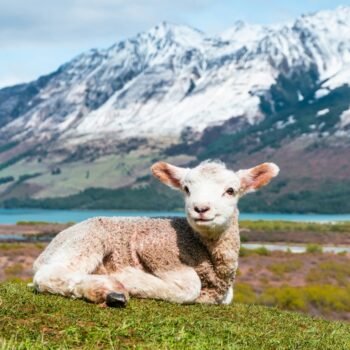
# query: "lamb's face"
{"points": [[211, 191], [211, 195]]}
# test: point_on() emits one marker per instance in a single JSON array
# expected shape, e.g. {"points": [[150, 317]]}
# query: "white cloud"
{"points": [[37, 36], [24, 22]]}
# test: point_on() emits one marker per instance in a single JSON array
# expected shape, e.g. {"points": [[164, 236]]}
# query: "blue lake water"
{"points": [[11, 216]]}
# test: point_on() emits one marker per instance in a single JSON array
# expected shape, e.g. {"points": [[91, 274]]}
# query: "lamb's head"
{"points": [[212, 191]]}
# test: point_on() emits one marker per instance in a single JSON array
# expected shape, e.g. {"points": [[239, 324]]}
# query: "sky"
{"points": [[37, 36]]}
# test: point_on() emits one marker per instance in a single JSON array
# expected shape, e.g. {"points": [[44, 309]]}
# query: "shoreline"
{"points": [[258, 233], [12, 216]]}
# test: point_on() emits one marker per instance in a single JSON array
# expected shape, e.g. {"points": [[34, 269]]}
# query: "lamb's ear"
{"points": [[254, 178], [168, 174]]}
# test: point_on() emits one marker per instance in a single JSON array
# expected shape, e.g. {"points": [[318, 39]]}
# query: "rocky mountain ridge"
{"points": [[249, 94]]}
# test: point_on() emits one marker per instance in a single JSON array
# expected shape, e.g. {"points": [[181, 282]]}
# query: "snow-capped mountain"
{"points": [[174, 77], [89, 131]]}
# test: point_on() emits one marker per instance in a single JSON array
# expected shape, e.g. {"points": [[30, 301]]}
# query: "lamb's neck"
{"points": [[224, 250]]}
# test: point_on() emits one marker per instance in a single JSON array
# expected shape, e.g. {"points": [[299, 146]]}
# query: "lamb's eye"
{"points": [[230, 191], [186, 189]]}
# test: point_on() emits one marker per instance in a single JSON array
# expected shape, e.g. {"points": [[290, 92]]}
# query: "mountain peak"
{"points": [[243, 33], [179, 33]]}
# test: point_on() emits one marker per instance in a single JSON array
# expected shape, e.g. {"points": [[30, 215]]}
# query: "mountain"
{"points": [[246, 95]]}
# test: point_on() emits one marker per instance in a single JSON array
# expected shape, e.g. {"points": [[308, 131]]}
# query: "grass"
{"points": [[21, 223], [288, 226], [106, 170], [20, 245], [34, 223], [32, 321], [10, 246]]}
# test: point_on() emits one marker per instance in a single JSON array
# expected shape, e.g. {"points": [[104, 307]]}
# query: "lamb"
{"points": [[194, 260]]}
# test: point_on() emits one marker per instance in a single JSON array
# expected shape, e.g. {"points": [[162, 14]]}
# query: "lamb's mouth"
{"points": [[203, 220]]}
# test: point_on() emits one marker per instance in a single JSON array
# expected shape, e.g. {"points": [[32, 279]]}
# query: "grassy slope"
{"points": [[31, 321], [108, 171]]}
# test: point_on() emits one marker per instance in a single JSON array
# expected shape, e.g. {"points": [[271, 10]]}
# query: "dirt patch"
{"points": [[279, 268], [32, 229], [16, 260]]}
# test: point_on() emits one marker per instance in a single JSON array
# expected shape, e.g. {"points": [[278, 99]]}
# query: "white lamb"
{"points": [[104, 260]]}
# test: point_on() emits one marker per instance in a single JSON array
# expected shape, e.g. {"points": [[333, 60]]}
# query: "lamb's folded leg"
{"points": [[61, 280], [179, 286], [68, 264]]}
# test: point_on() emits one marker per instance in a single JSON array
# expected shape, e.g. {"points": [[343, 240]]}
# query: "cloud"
{"points": [[37, 36], [103, 22], [24, 22]]}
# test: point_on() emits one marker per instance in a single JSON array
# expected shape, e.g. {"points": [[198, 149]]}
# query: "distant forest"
{"points": [[334, 198]]}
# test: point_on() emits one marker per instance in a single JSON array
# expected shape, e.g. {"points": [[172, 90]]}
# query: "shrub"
{"points": [[258, 251], [289, 298], [244, 252], [328, 272], [328, 298], [13, 270], [261, 251], [281, 268], [314, 248], [244, 293], [324, 297], [244, 239]]}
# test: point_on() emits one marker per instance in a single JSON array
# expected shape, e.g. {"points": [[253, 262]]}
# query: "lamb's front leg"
{"points": [[62, 280], [210, 296], [178, 286], [218, 285]]}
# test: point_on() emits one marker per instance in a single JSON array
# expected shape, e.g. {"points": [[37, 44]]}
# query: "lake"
{"points": [[11, 216]]}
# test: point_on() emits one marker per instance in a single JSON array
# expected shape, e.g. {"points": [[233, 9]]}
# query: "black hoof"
{"points": [[116, 300]]}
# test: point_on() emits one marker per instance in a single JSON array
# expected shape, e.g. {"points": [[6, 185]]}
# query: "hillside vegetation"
{"points": [[332, 200]]}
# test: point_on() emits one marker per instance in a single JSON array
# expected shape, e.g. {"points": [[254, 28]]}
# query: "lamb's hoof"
{"points": [[116, 300]]}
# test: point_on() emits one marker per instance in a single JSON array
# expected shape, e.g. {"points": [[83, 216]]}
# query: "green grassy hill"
{"points": [[33, 321]]}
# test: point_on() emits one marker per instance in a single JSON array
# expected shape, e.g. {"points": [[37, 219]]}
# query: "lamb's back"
{"points": [[147, 243], [152, 244]]}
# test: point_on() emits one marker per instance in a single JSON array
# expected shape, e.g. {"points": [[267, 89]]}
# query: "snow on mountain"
{"points": [[242, 34], [173, 76], [345, 118]]}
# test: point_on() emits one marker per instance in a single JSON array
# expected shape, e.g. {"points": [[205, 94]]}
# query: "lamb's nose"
{"points": [[201, 208]]}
